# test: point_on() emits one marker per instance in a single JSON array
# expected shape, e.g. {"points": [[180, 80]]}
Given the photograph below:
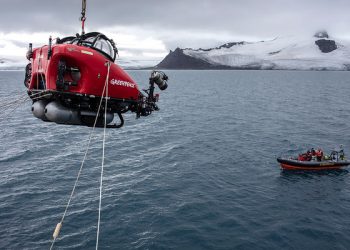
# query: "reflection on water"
{"points": [[286, 174]]}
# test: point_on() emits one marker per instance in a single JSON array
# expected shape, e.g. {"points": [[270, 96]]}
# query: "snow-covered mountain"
{"points": [[130, 64], [12, 64], [318, 52]]}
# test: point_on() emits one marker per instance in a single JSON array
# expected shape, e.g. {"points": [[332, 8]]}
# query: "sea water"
{"points": [[199, 174]]}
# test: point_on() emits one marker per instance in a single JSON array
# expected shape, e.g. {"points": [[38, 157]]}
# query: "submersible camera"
{"points": [[159, 78], [148, 103]]}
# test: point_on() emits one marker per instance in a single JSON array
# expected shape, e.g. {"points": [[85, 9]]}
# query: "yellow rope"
{"points": [[60, 224]]}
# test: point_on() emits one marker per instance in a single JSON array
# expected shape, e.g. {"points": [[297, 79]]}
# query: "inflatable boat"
{"points": [[294, 164]]}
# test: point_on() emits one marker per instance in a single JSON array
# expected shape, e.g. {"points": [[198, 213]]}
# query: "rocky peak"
{"points": [[321, 34], [326, 46], [177, 59]]}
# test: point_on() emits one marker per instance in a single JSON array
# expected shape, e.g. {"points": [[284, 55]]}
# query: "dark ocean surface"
{"points": [[199, 174]]}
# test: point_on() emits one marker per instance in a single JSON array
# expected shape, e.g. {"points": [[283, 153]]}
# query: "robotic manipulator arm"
{"points": [[147, 103]]}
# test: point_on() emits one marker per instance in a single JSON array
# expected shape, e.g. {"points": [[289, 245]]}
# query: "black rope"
{"points": [[83, 10], [83, 18]]}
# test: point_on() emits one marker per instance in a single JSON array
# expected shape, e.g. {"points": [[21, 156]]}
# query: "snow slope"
{"points": [[279, 53]]}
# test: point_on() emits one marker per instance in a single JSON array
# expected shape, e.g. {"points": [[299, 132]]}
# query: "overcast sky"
{"points": [[147, 29]]}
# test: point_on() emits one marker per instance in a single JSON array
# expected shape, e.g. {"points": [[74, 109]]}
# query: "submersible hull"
{"points": [[76, 80], [55, 112]]}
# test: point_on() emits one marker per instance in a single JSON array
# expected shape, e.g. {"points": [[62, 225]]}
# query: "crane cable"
{"points": [[59, 225], [83, 18]]}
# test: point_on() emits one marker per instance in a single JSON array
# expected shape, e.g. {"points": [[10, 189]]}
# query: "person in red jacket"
{"points": [[303, 157], [319, 154]]}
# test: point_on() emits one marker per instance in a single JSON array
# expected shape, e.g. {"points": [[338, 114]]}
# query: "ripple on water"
{"points": [[199, 174]]}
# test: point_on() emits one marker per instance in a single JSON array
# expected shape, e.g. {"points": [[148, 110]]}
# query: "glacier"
{"points": [[281, 53]]}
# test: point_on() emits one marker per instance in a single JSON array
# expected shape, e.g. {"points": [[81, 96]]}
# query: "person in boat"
{"points": [[307, 155], [334, 155], [319, 154], [313, 152], [342, 156], [302, 157], [311, 155], [338, 154], [341, 153]]}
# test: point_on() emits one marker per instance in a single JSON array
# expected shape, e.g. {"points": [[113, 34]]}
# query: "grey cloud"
{"points": [[19, 43], [138, 52], [240, 18]]}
